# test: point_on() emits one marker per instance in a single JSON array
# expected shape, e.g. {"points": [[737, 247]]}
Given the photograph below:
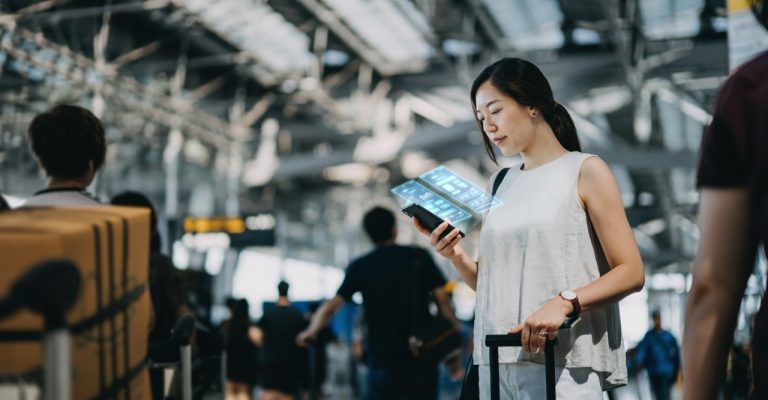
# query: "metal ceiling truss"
{"points": [[38, 13], [60, 61], [364, 50]]}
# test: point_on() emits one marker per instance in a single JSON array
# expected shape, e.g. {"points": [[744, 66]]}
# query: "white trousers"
{"points": [[526, 381]]}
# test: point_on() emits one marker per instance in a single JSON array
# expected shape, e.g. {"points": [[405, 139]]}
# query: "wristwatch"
{"points": [[570, 295]]}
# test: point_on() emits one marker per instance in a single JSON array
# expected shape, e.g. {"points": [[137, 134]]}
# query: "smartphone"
{"points": [[427, 218]]}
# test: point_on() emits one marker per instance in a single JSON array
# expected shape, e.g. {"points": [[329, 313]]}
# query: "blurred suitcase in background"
{"points": [[111, 320]]}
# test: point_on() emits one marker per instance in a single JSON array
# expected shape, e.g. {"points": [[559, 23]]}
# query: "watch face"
{"points": [[568, 295]]}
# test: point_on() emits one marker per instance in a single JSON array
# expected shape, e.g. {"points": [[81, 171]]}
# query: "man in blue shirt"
{"points": [[659, 353]]}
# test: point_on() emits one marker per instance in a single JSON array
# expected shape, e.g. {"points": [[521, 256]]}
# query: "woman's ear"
{"points": [[533, 111]]}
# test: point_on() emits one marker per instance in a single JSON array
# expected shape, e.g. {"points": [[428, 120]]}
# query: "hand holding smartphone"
{"points": [[427, 218]]}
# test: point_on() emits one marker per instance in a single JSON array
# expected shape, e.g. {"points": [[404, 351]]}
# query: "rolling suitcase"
{"points": [[495, 341]]}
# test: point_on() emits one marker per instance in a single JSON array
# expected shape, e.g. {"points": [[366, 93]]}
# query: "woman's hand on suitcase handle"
{"points": [[445, 246], [542, 325]]}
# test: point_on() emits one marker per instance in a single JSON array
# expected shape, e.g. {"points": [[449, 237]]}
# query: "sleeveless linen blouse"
{"points": [[533, 246]]}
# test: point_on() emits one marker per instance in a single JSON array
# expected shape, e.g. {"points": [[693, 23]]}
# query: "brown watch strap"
{"points": [[575, 303], [576, 308]]}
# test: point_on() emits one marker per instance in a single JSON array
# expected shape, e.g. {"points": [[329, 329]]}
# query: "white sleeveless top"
{"points": [[532, 247]]}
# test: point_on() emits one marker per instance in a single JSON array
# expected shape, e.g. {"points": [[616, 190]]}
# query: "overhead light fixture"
{"points": [[460, 48], [354, 173], [335, 58], [415, 163], [528, 25], [584, 37], [37, 56], [257, 29], [663, 19], [261, 169], [385, 27], [379, 148], [391, 35]]}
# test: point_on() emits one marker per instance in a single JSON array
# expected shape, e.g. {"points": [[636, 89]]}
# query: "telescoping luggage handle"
{"points": [[495, 341]]}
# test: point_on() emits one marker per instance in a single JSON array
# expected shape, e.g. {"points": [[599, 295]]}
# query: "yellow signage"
{"points": [[214, 224], [738, 5]]}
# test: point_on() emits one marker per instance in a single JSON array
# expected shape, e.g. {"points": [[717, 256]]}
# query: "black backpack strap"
{"points": [[498, 180]]}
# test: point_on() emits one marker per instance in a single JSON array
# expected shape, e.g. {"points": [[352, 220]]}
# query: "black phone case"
{"points": [[427, 218]]}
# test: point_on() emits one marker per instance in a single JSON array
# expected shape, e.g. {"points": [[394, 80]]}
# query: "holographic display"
{"points": [[447, 195]]}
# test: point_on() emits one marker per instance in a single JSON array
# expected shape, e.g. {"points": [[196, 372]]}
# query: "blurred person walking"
{"points": [[558, 246], [284, 363], [70, 145], [166, 290], [659, 354], [385, 278], [242, 353], [733, 225]]}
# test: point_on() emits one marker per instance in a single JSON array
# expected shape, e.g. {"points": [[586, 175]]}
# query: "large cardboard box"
{"points": [[110, 321]]}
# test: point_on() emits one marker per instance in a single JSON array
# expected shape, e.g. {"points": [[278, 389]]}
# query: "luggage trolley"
{"points": [[49, 289], [176, 355]]}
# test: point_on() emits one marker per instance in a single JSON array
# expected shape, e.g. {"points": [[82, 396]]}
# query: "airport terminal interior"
{"points": [[263, 131]]}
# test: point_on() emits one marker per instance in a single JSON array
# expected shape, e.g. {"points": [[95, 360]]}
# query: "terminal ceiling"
{"points": [[272, 99]]}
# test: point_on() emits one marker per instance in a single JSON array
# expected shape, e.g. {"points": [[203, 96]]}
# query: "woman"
{"points": [[559, 245], [242, 353]]}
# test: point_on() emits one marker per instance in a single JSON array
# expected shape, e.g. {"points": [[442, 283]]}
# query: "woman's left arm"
{"points": [[601, 199]]}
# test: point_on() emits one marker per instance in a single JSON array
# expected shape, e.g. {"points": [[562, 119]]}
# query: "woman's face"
{"points": [[507, 123]]}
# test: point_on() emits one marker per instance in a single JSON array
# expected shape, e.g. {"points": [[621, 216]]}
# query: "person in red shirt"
{"points": [[733, 221]]}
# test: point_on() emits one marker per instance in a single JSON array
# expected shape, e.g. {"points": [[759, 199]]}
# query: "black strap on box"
{"points": [[123, 383], [89, 323]]}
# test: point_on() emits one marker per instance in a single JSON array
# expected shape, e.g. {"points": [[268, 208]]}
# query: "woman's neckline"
{"points": [[550, 162]]}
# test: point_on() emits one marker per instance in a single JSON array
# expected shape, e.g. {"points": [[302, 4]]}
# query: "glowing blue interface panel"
{"points": [[414, 192], [460, 190]]}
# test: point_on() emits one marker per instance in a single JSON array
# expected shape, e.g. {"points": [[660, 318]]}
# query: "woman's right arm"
{"points": [[449, 248]]}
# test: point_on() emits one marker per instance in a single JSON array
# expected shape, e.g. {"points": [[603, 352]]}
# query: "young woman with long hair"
{"points": [[560, 244]]}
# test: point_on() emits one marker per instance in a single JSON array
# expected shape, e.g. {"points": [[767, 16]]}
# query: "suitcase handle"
{"points": [[495, 341]]}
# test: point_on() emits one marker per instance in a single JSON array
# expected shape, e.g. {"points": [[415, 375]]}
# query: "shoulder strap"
{"points": [[498, 180]]}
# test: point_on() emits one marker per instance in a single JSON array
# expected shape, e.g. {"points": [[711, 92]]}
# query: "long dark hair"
{"points": [[240, 318], [523, 81]]}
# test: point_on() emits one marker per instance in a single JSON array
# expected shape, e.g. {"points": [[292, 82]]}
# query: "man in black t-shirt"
{"points": [[733, 222], [396, 283], [282, 359]]}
